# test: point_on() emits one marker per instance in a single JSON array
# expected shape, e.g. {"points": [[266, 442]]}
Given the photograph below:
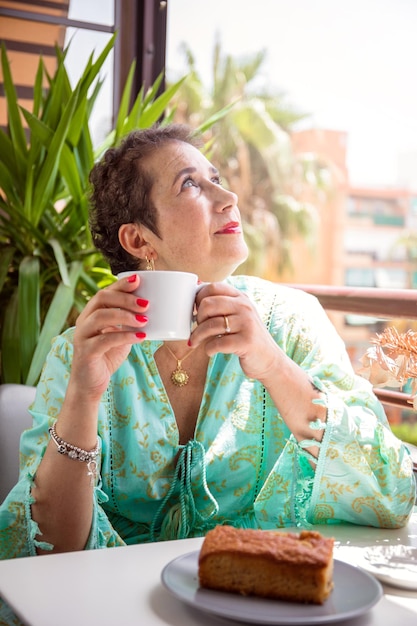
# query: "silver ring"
{"points": [[226, 324]]}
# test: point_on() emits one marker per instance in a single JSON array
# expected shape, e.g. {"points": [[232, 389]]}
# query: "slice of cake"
{"points": [[287, 566]]}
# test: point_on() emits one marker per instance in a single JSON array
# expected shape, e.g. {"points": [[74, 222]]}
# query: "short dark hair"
{"points": [[121, 190]]}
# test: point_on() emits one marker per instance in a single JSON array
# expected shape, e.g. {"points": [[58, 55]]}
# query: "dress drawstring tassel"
{"points": [[183, 517]]}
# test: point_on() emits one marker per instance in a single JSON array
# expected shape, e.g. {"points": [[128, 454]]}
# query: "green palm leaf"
{"points": [[38, 88], [17, 132], [29, 310], [46, 179], [216, 117], [153, 113], [125, 101], [10, 356], [55, 321], [60, 259]]}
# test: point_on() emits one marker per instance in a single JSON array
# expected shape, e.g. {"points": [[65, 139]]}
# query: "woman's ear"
{"points": [[131, 237]]}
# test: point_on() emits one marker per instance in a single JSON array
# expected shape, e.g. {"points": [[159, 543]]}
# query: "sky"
{"points": [[350, 64]]}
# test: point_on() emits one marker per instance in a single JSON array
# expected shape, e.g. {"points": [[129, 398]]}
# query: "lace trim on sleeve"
{"points": [[304, 475], [302, 486], [33, 527]]}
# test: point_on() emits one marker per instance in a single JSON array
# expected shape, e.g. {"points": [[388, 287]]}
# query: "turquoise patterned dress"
{"points": [[243, 466]]}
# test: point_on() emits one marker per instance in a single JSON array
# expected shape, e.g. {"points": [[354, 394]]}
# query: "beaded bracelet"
{"points": [[77, 454]]}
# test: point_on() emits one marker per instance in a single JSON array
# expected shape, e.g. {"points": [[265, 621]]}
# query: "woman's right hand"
{"points": [[113, 320]]}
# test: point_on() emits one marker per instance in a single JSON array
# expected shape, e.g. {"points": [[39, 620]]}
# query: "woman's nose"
{"points": [[225, 199]]}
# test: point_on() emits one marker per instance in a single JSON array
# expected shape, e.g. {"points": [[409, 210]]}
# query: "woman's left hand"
{"points": [[228, 322]]}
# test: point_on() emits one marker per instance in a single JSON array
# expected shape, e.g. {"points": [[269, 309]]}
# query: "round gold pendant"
{"points": [[179, 377]]}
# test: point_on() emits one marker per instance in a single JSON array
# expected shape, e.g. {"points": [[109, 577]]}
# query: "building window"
{"points": [[360, 277]]}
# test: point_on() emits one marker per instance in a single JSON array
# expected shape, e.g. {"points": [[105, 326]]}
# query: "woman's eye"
{"points": [[189, 182]]}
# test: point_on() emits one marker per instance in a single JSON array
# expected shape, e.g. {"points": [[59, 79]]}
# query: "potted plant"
{"points": [[48, 266]]}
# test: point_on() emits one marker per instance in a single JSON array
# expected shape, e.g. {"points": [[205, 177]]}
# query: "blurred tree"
{"points": [[251, 146]]}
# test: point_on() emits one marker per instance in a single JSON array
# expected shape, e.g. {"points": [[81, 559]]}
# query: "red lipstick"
{"points": [[232, 228]]}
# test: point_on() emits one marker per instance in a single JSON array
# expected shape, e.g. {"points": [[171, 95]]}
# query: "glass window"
{"points": [[360, 277], [85, 42], [95, 11], [390, 278]]}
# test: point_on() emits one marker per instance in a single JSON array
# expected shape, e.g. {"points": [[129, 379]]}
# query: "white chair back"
{"points": [[14, 419]]}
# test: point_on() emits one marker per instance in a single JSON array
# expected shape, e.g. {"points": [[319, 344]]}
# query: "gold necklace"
{"points": [[179, 377]]}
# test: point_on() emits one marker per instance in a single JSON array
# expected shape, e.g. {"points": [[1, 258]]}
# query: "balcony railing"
{"points": [[374, 302]]}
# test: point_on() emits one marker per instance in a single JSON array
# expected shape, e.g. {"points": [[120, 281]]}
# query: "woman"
{"points": [[273, 427]]}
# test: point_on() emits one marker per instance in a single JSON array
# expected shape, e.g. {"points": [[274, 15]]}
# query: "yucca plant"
{"points": [[48, 266]]}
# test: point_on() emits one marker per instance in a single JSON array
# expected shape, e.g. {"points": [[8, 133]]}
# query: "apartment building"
{"points": [[368, 238]]}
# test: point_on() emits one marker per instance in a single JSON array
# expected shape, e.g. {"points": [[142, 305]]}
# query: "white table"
{"points": [[121, 586]]}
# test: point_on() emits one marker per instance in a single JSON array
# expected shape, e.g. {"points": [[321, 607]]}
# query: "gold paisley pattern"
{"points": [[242, 490], [243, 456], [12, 540], [122, 419], [332, 453], [336, 489], [356, 457], [119, 456], [373, 503], [248, 462], [275, 485], [242, 421], [322, 513]]}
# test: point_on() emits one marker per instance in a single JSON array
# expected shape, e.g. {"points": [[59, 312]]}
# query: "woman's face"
{"points": [[198, 220]]}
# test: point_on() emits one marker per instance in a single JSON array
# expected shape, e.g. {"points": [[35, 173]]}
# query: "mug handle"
{"points": [[197, 289]]}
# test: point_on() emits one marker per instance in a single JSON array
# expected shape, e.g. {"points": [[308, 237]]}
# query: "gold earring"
{"points": [[150, 264]]}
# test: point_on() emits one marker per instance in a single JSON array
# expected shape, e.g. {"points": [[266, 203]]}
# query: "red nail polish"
{"points": [[141, 318], [131, 279], [142, 302], [140, 335]]}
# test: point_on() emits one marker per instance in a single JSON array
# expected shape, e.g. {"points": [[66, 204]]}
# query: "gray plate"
{"points": [[354, 593]]}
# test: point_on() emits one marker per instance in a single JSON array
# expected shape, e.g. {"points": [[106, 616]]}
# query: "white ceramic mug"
{"points": [[171, 297]]}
